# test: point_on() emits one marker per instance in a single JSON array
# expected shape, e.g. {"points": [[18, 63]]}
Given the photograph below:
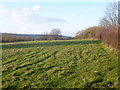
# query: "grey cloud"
{"points": [[39, 19]]}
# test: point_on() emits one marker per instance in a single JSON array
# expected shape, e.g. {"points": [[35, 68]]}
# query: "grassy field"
{"points": [[58, 64]]}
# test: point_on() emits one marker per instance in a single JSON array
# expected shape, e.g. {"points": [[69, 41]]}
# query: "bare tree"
{"points": [[55, 34], [111, 17], [119, 14], [45, 35]]}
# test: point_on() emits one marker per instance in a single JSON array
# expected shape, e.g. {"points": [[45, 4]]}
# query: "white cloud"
{"points": [[2, 9], [26, 9], [37, 7], [28, 14], [1, 6], [24, 19]]}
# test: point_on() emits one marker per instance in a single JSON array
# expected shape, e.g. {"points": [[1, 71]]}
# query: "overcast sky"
{"points": [[41, 17]]}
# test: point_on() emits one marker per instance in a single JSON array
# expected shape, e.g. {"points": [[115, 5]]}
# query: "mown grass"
{"points": [[59, 64]]}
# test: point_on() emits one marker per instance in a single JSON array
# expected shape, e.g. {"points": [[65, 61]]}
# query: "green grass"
{"points": [[59, 64]]}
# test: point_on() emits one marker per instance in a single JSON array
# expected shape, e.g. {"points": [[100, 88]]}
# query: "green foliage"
{"points": [[59, 64]]}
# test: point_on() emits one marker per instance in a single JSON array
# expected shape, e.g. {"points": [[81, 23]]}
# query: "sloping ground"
{"points": [[68, 64]]}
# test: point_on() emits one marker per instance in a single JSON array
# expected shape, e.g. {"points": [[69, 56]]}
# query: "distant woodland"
{"points": [[55, 34]]}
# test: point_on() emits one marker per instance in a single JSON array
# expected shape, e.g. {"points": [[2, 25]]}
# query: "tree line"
{"points": [[107, 30], [11, 38], [55, 34]]}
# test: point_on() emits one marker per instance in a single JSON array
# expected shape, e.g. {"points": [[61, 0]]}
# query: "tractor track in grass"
{"points": [[32, 55], [72, 64]]}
